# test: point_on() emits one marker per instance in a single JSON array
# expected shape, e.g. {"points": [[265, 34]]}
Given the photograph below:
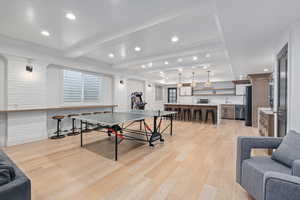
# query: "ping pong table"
{"points": [[120, 124]]}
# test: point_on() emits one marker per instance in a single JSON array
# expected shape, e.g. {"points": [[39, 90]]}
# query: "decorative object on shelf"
{"points": [[193, 84], [29, 66], [208, 83], [179, 84]]}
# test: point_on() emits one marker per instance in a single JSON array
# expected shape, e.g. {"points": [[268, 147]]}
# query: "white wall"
{"points": [[54, 86], [294, 81], [292, 37], [152, 104], [3, 98]]}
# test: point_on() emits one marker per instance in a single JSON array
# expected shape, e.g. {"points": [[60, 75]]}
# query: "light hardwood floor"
{"points": [[196, 163]]}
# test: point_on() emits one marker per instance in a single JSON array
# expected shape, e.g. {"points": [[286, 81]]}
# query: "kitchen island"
{"points": [[192, 107]]}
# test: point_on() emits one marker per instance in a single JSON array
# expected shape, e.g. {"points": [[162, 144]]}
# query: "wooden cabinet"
{"points": [[266, 124], [227, 111]]}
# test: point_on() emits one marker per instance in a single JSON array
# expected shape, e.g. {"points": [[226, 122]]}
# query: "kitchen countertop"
{"points": [[268, 111], [57, 108], [193, 104]]}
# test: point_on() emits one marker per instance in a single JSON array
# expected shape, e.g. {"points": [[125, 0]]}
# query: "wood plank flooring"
{"points": [[196, 163]]}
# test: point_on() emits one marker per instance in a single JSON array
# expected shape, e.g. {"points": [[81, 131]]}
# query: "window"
{"points": [[158, 93], [172, 95], [81, 87]]}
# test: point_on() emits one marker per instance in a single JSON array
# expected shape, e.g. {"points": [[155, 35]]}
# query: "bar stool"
{"points": [[212, 112], [178, 114], [58, 130], [86, 122], [187, 114], [73, 125], [98, 112], [197, 113]]}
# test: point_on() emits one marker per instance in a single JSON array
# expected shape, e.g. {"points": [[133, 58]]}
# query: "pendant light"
{"points": [[193, 81], [179, 84], [208, 83]]}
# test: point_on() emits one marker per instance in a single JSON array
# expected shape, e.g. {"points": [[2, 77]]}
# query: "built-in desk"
{"points": [[23, 125], [203, 107]]}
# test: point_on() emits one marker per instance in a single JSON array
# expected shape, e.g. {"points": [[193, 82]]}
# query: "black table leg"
{"points": [[81, 143], [116, 147], [171, 127]]}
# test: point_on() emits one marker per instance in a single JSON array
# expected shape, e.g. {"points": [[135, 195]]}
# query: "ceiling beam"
{"points": [[182, 51], [85, 46]]}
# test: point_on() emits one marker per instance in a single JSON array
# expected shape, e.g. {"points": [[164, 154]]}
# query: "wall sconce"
{"points": [[121, 82], [29, 68], [149, 85]]}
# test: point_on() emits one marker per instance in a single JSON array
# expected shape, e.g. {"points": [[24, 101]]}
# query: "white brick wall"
{"points": [[23, 127], [25, 89], [2, 129]]}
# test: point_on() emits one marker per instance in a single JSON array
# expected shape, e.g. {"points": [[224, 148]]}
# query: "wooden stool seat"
{"points": [[73, 115], [86, 113], [99, 112], [58, 117], [107, 111]]}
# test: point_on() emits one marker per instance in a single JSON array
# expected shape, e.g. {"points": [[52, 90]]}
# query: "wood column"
{"points": [[260, 92]]}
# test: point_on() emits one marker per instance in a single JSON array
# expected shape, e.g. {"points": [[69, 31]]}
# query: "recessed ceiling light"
{"points": [[179, 60], [150, 64], [166, 62], [266, 70], [45, 33], [143, 66], [137, 48], [161, 72], [180, 70], [70, 16], [111, 55], [175, 38], [205, 67], [195, 58], [207, 55]]}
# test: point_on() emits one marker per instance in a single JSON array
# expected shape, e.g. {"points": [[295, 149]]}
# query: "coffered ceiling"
{"points": [[155, 39]]}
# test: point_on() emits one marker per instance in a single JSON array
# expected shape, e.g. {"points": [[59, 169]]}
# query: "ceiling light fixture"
{"points": [[193, 84], [207, 55], [179, 60], [208, 83], [150, 64], [180, 70], [111, 55], [205, 67], [179, 84], [70, 16], [137, 48], [195, 58], [143, 66], [166, 62], [45, 33], [266, 70], [175, 39]]}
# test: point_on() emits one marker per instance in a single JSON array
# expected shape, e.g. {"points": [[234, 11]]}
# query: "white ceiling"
{"points": [[238, 35]]}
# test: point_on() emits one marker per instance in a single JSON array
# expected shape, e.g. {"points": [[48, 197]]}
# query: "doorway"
{"points": [[282, 79]]}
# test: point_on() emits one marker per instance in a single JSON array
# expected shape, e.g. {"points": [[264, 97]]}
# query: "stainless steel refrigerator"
{"points": [[248, 106]]}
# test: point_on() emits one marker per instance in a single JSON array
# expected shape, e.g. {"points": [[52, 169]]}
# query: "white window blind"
{"points": [[81, 87], [72, 86], [91, 87], [158, 93]]}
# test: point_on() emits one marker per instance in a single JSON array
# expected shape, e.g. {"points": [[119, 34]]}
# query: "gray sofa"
{"points": [[263, 177], [19, 188]]}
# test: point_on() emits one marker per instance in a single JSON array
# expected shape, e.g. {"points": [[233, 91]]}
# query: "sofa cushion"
{"points": [[7, 173], [289, 149], [253, 170]]}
